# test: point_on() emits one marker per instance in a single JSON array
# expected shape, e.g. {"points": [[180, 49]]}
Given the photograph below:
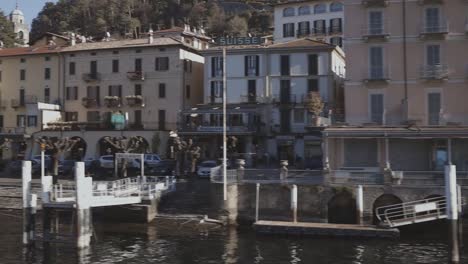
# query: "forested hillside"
{"points": [[128, 17]]}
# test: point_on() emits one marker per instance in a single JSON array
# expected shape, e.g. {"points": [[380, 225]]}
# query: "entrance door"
{"points": [[434, 107]]}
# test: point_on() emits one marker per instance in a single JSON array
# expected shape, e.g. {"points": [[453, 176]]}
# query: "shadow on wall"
{"points": [[342, 208]]}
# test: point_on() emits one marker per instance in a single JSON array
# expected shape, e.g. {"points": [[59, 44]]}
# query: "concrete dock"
{"points": [[324, 229]]}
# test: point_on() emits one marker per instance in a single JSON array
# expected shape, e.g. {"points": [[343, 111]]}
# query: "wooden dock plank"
{"points": [[324, 229]]}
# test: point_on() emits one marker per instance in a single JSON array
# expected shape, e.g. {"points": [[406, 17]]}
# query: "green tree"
{"points": [[7, 34]]}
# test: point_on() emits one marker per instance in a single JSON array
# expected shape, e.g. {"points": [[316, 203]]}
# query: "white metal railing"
{"points": [[375, 30], [412, 212]]}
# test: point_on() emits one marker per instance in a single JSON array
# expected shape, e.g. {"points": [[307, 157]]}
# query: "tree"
{"points": [[7, 33], [314, 105], [238, 26], [56, 147]]}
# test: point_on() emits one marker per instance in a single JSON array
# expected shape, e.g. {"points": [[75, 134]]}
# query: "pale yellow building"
{"points": [[405, 94]]}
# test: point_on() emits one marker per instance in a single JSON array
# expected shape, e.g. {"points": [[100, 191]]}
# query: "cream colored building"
{"points": [[405, 94], [29, 80], [147, 82]]}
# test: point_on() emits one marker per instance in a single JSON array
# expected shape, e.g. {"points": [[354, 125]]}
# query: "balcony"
{"points": [[435, 72], [335, 30], [377, 74], [136, 76], [3, 104], [135, 100], [375, 3], [319, 32], [214, 100], [113, 101], [292, 99], [430, 2], [90, 102], [375, 33], [30, 99], [16, 103], [435, 30], [251, 99], [208, 129], [91, 77], [301, 33]]}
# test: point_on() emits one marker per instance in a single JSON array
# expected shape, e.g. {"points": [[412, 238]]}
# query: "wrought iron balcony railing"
{"points": [[434, 72]]}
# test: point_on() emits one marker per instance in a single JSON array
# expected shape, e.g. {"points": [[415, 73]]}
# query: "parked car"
{"points": [[163, 168], [204, 169], [151, 160], [106, 161], [91, 164], [16, 166], [47, 160], [66, 167]]}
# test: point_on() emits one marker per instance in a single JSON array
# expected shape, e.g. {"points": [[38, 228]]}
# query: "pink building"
{"points": [[405, 94]]}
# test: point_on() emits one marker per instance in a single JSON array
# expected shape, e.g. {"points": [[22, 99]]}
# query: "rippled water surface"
{"points": [[169, 241]]}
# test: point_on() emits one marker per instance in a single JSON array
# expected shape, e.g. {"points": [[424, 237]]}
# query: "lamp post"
{"points": [[224, 126]]}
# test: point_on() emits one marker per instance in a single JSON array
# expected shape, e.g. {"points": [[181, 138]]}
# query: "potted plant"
{"points": [[314, 105], [112, 101]]}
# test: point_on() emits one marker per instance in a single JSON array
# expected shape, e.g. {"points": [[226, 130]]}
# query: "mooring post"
{"points": [[284, 170], [451, 192], [257, 202], [359, 204], [142, 166], [84, 188], [294, 202], [240, 170], [459, 199], [29, 205], [42, 163]]}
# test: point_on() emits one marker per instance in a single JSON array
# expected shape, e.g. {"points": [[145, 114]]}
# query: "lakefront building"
{"points": [[125, 88], [407, 76], [320, 20], [267, 91]]}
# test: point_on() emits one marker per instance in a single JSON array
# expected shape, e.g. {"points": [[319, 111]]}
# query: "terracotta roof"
{"points": [[170, 30], [29, 51], [127, 43]]}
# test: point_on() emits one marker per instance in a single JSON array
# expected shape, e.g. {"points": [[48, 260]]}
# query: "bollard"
{"points": [[460, 204], [359, 204], [257, 202], [240, 170], [294, 202], [29, 204], [284, 170], [451, 192]]}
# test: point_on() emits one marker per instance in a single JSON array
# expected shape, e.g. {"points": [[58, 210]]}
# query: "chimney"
{"points": [[150, 36], [72, 39]]}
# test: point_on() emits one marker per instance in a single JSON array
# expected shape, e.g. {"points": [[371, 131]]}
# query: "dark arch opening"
{"points": [[384, 200], [342, 209], [78, 151]]}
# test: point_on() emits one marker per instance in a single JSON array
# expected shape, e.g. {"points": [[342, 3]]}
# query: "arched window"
{"points": [[320, 8], [304, 10], [336, 7], [287, 12], [20, 35]]}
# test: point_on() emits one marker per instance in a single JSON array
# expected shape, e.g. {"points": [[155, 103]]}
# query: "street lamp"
{"points": [[224, 126]]}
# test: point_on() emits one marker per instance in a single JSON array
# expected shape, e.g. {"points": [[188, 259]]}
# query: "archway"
{"points": [[342, 208], [78, 151], [384, 200]]}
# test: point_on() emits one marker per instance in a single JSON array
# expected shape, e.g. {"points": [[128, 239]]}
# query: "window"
{"points": [[93, 67], [320, 8], [251, 65], [72, 68], [162, 119], [21, 121], [138, 119], [299, 116], [71, 93], [187, 65], [115, 66], [138, 90], [32, 121], [337, 41], [434, 107], [71, 116], [288, 30], [377, 108], [375, 22], [285, 91], [93, 92], [432, 19], [47, 73], [376, 63], [0, 76], [162, 90], [216, 66], [22, 74], [313, 85], [46, 95], [115, 52], [252, 91], [47, 58], [22, 97], [288, 12], [285, 65], [138, 65], [162, 63], [187, 91], [336, 7], [313, 64], [433, 55], [93, 116], [22, 60], [335, 25], [115, 90], [319, 27], [216, 90], [304, 10], [138, 51], [93, 53], [303, 28]]}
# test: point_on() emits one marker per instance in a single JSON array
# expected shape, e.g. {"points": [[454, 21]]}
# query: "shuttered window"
{"points": [[376, 62], [252, 65], [377, 108], [434, 105], [285, 65], [433, 55]]}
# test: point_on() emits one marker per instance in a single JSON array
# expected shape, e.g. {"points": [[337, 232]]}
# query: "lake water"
{"points": [[173, 242]]}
